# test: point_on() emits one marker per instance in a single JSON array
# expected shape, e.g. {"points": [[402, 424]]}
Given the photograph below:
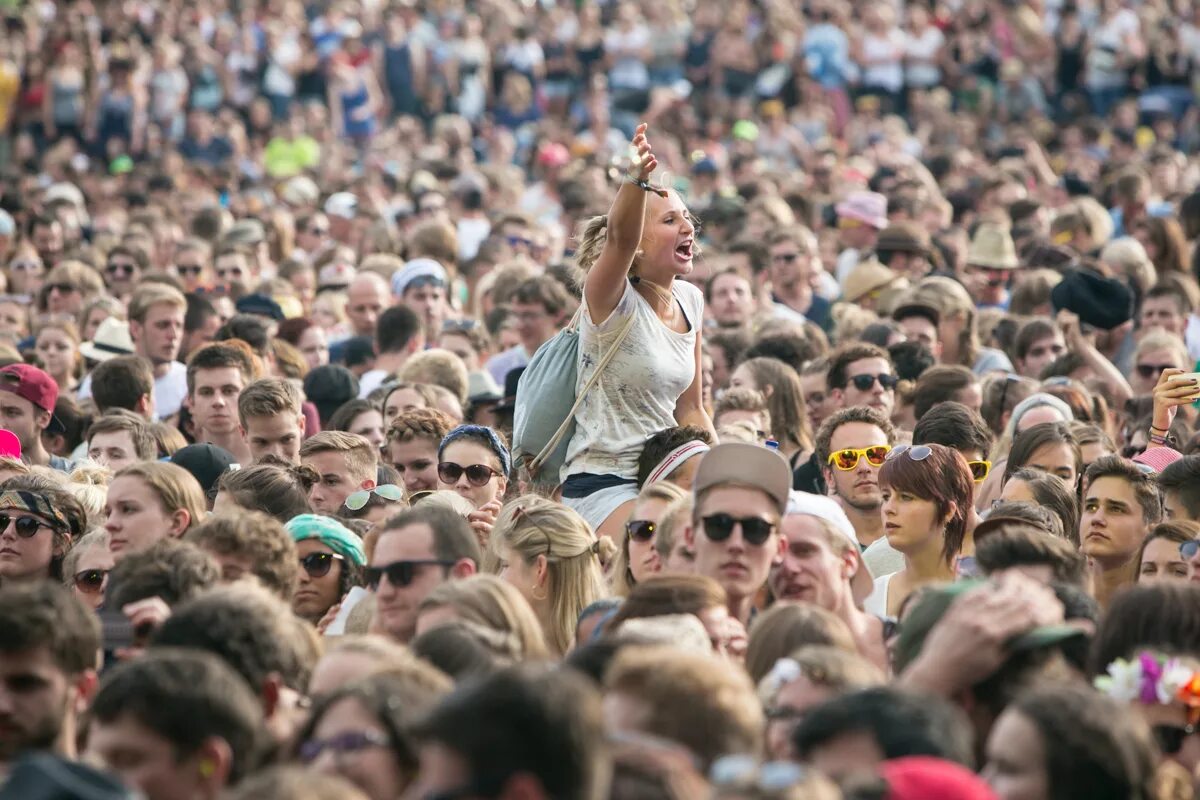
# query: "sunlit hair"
{"points": [[495, 604], [944, 478], [532, 526], [621, 577], [785, 401], [175, 488]]}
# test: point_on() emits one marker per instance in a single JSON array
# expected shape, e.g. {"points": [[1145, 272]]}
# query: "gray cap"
{"points": [[741, 464]]}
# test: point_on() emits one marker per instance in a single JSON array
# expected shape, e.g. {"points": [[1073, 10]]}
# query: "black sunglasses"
{"points": [[1152, 370], [317, 565], [477, 474], [27, 527], [864, 382], [90, 581], [1170, 737], [719, 527], [63, 288], [125, 269], [641, 530], [401, 573], [189, 269]]}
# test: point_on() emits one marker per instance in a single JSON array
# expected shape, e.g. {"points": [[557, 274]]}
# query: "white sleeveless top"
{"points": [[637, 392]]}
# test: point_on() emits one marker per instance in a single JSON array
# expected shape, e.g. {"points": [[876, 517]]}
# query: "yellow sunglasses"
{"points": [[980, 470], [847, 459]]}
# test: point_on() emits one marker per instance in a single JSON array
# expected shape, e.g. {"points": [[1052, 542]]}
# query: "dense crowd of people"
{"points": [[449, 401]]}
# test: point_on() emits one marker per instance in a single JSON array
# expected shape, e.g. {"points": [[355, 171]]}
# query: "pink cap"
{"points": [[922, 777], [10, 445], [1158, 458], [869, 208]]}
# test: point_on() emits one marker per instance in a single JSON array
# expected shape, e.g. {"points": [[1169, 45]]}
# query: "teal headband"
{"points": [[333, 534]]}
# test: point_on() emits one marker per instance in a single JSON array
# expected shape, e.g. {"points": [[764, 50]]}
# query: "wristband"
{"points": [[1163, 431], [1161, 441], [645, 186]]}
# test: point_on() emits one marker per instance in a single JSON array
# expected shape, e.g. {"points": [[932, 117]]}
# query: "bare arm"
{"points": [[606, 279], [689, 408], [1105, 370]]}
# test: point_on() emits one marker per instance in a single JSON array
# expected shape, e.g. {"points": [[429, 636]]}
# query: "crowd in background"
{"points": [[881, 321]]}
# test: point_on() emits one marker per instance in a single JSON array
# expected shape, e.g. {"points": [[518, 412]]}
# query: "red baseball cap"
{"points": [[30, 383], [922, 777]]}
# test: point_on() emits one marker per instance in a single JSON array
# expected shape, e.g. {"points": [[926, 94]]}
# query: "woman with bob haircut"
{"points": [[1047, 491], [489, 602], [148, 502], [637, 558], [550, 554], [44, 520], [927, 494]]}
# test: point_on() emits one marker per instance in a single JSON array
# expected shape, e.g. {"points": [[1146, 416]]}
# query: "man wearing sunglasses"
{"points": [[861, 374], [417, 551], [741, 491], [851, 447], [48, 645]]}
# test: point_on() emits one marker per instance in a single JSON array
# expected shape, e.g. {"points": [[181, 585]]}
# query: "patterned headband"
{"points": [[34, 503]]}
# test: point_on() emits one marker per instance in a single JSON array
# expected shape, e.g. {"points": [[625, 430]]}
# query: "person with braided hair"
{"points": [[276, 488]]}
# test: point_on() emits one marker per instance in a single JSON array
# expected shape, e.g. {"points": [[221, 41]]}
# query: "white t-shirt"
{"points": [[637, 392], [170, 391], [886, 73], [920, 57], [370, 381], [877, 601], [883, 559]]}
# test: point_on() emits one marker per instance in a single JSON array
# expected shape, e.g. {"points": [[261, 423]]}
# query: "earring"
{"points": [[534, 590], [207, 768]]}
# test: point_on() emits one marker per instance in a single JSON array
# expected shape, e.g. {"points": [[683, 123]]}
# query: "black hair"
{"points": [[1183, 476], [911, 359], [453, 539], [250, 328], [953, 425], [900, 723], [396, 328], [660, 444]]}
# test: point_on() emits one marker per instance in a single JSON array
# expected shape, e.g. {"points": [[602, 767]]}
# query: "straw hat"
{"points": [[868, 276], [112, 339], [992, 248]]}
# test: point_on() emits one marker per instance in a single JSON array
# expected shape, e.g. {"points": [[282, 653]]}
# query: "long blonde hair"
{"points": [[495, 604], [532, 526], [620, 577]]}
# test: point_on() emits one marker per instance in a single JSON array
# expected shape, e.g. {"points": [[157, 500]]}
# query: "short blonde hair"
{"points": [[1161, 340], [493, 603], [440, 368], [268, 397], [149, 295], [700, 701], [175, 487], [361, 458], [532, 526]]}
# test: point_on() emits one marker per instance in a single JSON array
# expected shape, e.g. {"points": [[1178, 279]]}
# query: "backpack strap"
{"points": [[536, 465]]}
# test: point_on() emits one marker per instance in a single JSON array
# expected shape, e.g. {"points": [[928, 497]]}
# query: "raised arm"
{"points": [[605, 281]]}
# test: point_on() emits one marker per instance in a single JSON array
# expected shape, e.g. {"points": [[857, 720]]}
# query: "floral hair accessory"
{"points": [[1151, 679]]}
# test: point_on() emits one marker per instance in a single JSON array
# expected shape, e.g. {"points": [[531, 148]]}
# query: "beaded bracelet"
{"points": [[645, 186]]}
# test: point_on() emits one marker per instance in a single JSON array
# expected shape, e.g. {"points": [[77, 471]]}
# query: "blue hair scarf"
{"points": [[476, 433]]}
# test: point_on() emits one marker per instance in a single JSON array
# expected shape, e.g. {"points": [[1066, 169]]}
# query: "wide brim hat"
{"points": [[992, 248], [112, 339]]}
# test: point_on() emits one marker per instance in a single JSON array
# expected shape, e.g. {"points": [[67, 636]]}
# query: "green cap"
{"points": [[933, 605], [120, 165], [745, 130]]}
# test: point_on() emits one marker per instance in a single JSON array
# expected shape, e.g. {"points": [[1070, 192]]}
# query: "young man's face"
{"points": [[36, 700], [1040, 354], [1163, 312], [145, 761], [396, 605], [416, 461], [857, 487], [738, 565], [278, 435], [810, 571], [535, 325], [329, 494], [1111, 527], [731, 300], [113, 449], [1173, 508], [159, 337], [24, 419], [428, 302], [921, 329], [234, 268], [875, 395], [214, 399]]}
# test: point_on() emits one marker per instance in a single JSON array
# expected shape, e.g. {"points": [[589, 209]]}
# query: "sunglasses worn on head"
{"points": [[27, 527], [317, 565], [918, 452], [1170, 737], [980, 470], [401, 573], [1148, 371], [477, 474], [755, 530], [641, 530], [1188, 550], [864, 382], [350, 742], [388, 491], [847, 459], [90, 581]]}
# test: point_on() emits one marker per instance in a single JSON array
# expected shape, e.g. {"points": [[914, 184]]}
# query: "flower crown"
{"points": [[1152, 679]]}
